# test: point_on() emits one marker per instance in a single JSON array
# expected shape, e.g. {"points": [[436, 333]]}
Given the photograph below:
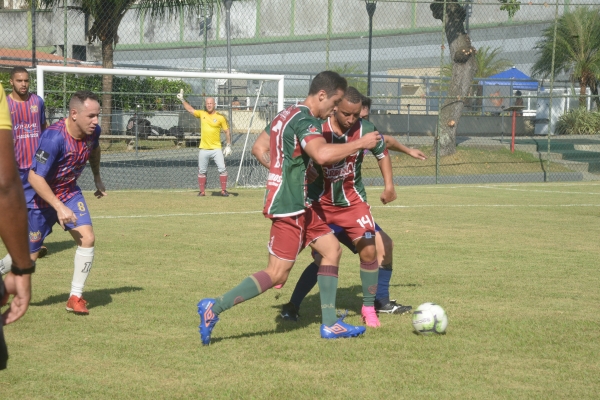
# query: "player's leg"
{"points": [[220, 161], [83, 234], [369, 272], [3, 348], [383, 304], [203, 157]]}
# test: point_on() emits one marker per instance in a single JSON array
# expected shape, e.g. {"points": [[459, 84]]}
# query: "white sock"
{"points": [[83, 264], [5, 264]]}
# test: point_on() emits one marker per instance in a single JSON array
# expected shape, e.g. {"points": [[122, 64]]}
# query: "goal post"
{"points": [[152, 141]]}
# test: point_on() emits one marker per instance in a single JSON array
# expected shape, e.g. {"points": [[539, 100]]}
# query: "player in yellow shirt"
{"points": [[211, 124]]}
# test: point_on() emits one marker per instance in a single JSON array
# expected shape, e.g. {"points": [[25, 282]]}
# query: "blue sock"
{"points": [[307, 281], [383, 286]]}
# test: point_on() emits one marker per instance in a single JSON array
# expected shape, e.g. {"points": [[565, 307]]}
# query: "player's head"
{"points": [[327, 88], [347, 112], [19, 80], [209, 104], [366, 107], [84, 110]]}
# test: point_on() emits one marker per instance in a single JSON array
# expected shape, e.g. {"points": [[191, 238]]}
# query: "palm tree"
{"points": [[107, 15], [577, 50]]}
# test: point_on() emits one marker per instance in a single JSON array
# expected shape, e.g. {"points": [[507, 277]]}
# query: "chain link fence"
{"points": [[491, 91]]}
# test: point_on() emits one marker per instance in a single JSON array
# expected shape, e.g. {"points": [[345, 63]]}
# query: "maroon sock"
{"points": [[223, 179], [202, 183]]}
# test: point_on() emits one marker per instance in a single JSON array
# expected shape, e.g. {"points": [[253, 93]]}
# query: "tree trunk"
{"points": [[107, 86], [464, 68]]}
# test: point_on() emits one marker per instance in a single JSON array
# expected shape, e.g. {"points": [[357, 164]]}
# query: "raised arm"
{"points": [[392, 144], [261, 149], [184, 103]]}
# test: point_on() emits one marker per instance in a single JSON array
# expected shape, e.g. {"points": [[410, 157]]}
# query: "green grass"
{"points": [[515, 267]]}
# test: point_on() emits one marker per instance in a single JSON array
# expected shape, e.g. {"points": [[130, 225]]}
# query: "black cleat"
{"points": [[392, 308], [43, 252], [224, 193], [289, 312]]}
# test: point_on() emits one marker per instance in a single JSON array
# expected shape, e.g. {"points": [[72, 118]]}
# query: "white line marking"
{"points": [[175, 215]]}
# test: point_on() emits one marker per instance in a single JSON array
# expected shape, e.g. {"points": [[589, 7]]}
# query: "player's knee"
{"points": [[368, 254], [88, 240]]}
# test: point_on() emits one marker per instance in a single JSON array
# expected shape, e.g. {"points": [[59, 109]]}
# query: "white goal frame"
{"points": [[40, 69]]}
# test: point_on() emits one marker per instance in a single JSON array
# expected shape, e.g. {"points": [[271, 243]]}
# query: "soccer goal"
{"points": [[149, 141]]}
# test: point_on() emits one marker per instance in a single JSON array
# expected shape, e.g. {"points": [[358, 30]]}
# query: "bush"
{"points": [[579, 121]]}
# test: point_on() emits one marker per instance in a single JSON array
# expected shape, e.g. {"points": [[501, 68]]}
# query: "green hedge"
{"points": [[579, 121]]}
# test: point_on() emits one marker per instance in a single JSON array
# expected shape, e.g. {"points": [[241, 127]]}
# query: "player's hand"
{"points": [[227, 150], [388, 196], [311, 174], [20, 287], [65, 216], [370, 140], [101, 192], [418, 154], [180, 96]]}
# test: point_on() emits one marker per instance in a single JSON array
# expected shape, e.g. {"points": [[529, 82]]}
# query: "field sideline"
{"points": [[514, 265]]}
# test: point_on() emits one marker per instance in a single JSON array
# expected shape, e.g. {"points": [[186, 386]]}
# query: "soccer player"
{"points": [[28, 116], [211, 124], [13, 231], [59, 160], [295, 138]]}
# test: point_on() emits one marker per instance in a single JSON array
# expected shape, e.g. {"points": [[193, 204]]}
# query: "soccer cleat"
{"points": [[369, 316], [208, 319], [341, 330], [77, 305], [201, 194], [289, 312], [392, 308], [224, 193], [43, 252]]}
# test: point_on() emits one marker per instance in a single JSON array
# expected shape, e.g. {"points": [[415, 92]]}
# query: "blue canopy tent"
{"points": [[514, 77]]}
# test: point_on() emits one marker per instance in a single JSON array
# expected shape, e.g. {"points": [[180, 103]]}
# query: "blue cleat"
{"points": [[208, 319], [341, 330]]}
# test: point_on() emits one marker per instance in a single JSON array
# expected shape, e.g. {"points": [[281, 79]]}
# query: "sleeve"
{"points": [[198, 113], [268, 129], [224, 124], [307, 129], [42, 112], [47, 153], [379, 151], [5, 122]]}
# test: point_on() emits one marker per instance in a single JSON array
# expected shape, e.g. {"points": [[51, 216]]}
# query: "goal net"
{"points": [[148, 140]]}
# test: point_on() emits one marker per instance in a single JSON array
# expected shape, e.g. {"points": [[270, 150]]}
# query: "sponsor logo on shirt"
{"points": [[274, 179], [338, 172], [35, 236], [312, 129], [41, 156]]}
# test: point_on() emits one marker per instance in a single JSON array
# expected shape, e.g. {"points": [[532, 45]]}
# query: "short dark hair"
{"points": [[353, 95], [328, 81], [366, 102], [80, 97], [18, 70]]}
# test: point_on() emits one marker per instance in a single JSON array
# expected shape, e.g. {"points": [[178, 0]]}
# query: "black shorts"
{"points": [[3, 349]]}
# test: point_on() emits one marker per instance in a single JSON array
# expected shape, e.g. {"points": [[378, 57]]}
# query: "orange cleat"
{"points": [[77, 305]]}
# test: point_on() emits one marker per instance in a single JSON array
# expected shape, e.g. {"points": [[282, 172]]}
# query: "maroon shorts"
{"points": [[289, 235], [356, 220]]}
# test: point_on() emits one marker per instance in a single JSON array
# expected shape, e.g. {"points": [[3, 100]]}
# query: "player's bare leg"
{"points": [[369, 271], [84, 257], [385, 256]]}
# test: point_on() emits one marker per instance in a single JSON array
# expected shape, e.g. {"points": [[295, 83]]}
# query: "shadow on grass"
{"points": [[95, 298], [218, 194], [57, 247]]}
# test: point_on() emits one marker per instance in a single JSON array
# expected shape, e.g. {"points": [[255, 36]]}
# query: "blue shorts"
{"points": [[344, 239], [29, 192], [41, 220]]}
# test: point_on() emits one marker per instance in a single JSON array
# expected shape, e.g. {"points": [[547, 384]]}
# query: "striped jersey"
{"points": [[27, 120], [340, 184], [60, 159], [289, 132]]}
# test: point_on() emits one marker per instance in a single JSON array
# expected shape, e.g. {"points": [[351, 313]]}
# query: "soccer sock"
{"points": [[383, 284], [328, 281], [84, 257], [202, 182], [5, 264], [223, 180], [368, 276], [307, 281], [250, 287]]}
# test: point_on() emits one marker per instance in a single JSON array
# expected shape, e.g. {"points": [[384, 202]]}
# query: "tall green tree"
{"points": [[107, 16], [577, 50]]}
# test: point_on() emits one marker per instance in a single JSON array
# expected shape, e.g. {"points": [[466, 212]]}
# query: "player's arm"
{"points": [[41, 187], [389, 191], [95, 166], [13, 221], [185, 104], [392, 144], [324, 153], [262, 149]]}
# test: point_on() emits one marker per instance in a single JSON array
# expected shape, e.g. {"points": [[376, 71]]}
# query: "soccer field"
{"points": [[514, 265]]}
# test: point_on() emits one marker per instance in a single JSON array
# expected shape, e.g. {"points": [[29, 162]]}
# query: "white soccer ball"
{"points": [[430, 319]]}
